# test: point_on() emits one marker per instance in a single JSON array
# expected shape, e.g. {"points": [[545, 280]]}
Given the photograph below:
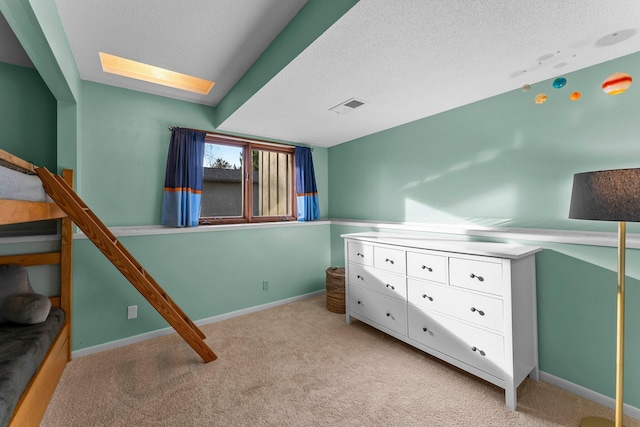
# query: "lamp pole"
{"points": [[610, 195], [620, 324]]}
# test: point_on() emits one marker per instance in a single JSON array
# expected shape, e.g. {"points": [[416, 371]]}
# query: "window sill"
{"points": [[148, 230]]}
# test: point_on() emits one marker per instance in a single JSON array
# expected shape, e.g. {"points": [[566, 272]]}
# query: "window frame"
{"points": [[248, 145]]}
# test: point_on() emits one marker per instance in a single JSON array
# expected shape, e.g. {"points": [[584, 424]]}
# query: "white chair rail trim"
{"points": [[591, 238]]}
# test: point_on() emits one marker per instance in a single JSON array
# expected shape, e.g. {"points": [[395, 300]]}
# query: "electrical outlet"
{"points": [[132, 312], [265, 285]]}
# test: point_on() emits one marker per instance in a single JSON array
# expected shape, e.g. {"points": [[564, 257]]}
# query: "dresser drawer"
{"points": [[482, 276], [384, 282], [360, 253], [388, 312], [481, 310], [479, 348], [427, 267], [390, 260]]}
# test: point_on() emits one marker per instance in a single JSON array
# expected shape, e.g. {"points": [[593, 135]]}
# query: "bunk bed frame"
{"points": [[35, 398], [68, 207]]}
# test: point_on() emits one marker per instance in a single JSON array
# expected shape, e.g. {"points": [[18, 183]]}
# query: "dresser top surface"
{"points": [[492, 249]]}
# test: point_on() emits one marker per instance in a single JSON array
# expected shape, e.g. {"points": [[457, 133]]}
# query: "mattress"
{"points": [[22, 349], [16, 185]]}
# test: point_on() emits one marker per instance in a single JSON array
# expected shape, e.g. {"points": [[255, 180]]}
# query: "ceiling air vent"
{"points": [[346, 106]]}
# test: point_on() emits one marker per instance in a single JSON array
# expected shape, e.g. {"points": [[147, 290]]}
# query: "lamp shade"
{"points": [[610, 195]]}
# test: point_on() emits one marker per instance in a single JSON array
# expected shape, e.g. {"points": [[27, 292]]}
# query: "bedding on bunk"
{"points": [[28, 328], [22, 349], [16, 185]]}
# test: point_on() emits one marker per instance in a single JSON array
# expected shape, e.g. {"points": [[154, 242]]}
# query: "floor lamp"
{"points": [[610, 195]]}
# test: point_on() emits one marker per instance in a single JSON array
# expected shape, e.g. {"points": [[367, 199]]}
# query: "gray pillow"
{"points": [[13, 280], [26, 309]]}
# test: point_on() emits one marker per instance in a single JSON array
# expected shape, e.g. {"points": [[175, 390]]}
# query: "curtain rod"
{"points": [[239, 138]]}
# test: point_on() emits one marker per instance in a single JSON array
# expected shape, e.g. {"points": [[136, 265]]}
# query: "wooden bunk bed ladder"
{"points": [[69, 201]]}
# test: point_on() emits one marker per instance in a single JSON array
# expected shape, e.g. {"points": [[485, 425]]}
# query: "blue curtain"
{"points": [[183, 179], [306, 190]]}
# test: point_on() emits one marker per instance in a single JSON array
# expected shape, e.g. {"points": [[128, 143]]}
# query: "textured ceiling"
{"points": [[215, 40], [413, 59], [406, 59]]}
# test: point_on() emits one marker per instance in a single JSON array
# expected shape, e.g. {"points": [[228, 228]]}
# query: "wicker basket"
{"points": [[335, 289]]}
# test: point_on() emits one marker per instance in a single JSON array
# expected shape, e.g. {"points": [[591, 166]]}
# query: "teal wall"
{"points": [[504, 161], [205, 273], [28, 112], [577, 317], [507, 162], [125, 138]]}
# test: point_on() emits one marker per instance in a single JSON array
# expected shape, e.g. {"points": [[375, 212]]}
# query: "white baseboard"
{"points": [[166, 331], [603, 400]]}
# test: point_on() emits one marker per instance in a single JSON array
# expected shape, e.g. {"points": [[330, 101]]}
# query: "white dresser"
{"points": [[471, 304]]}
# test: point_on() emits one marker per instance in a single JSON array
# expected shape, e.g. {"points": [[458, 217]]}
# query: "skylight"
{"points": [[148, 73]]}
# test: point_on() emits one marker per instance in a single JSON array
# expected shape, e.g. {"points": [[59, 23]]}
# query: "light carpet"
{"points": [[295, 365]]}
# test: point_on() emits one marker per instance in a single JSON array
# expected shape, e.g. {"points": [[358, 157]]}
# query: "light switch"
{"points": [[132, 312]]}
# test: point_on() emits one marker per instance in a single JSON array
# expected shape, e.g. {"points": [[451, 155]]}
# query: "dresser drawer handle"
{"points": [[482, 353], [359, 302], [360, 277], [480, 312], [473, 276], [361, 255], [427, 297], [425, 329], [389, 261], [429, 269], [391, 287]]}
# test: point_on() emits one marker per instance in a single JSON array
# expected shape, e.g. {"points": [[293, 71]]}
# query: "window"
{"points": [[258, 189]]}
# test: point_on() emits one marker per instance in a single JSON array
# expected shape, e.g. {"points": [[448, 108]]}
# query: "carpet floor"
{"points": [[295, 365]]}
